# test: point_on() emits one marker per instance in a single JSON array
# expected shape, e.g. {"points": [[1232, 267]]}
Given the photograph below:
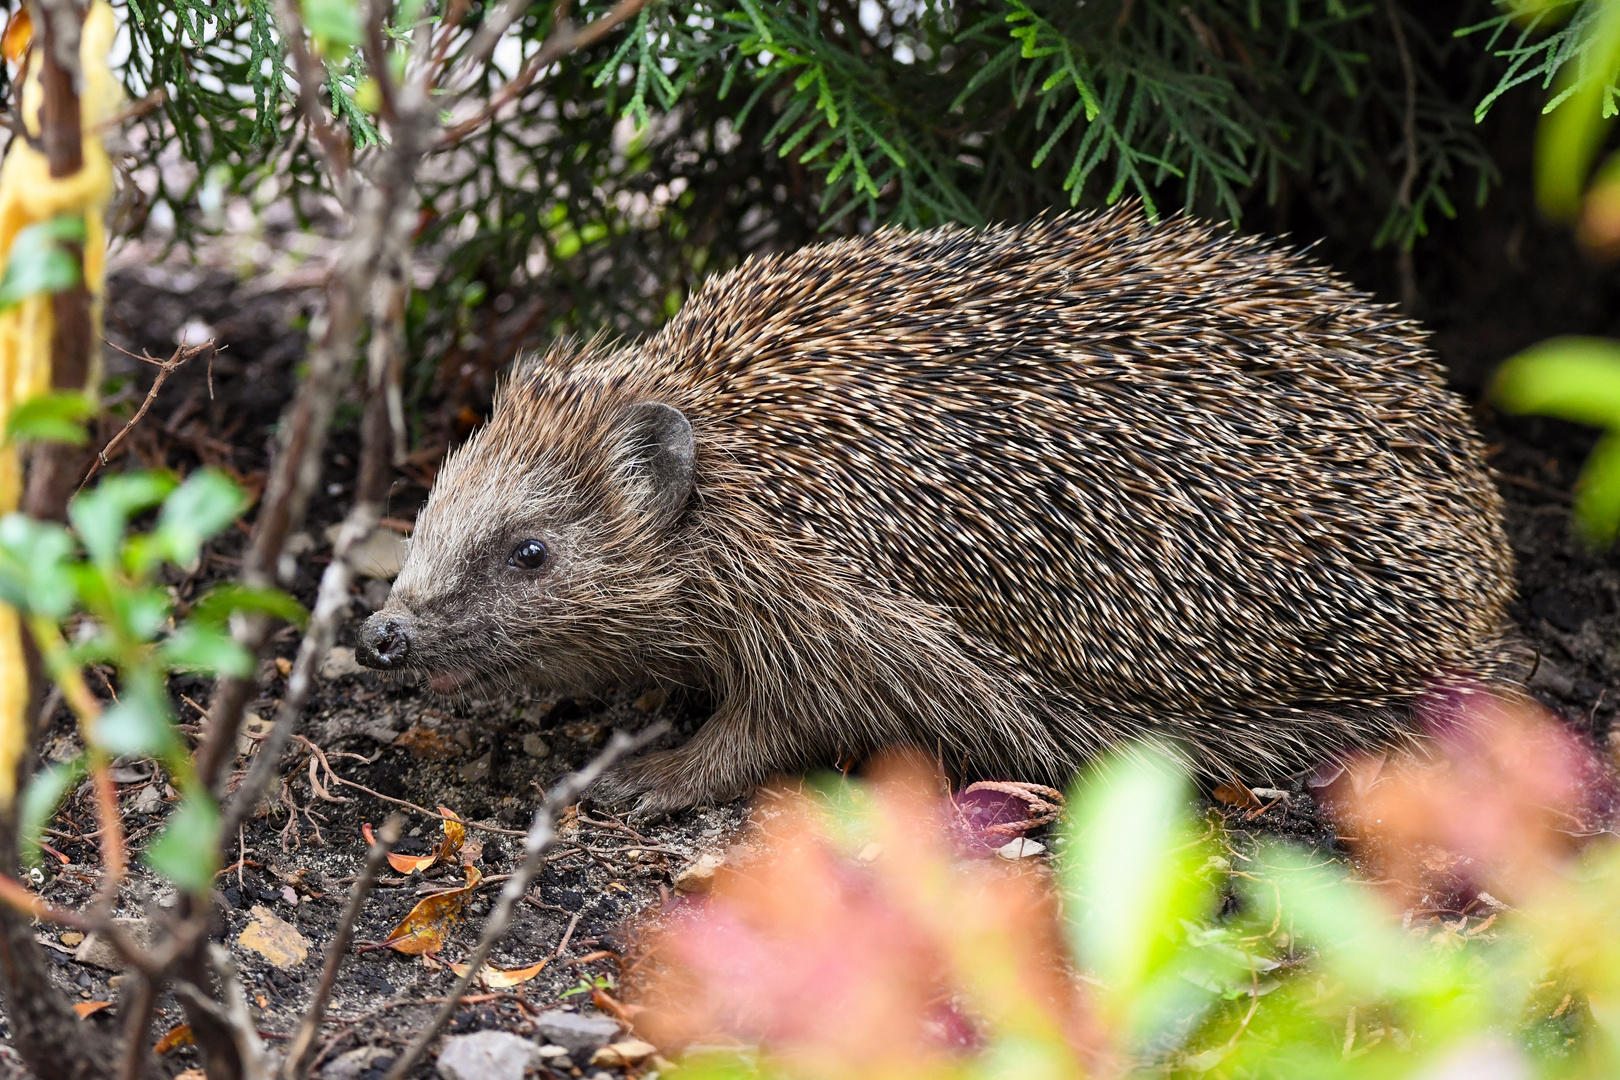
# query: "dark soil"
{"points": [[489, 759]]}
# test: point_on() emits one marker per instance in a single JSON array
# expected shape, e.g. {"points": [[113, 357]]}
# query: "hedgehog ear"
{"points": [[659, 454]]}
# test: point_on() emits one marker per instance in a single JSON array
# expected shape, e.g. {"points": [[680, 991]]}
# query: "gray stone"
{"points": [[578, 1033], [351, 1065], [535, 746], [339, 662], [487, 1055], [476, 771], [97, 952], [379, 556], [148, 800]]}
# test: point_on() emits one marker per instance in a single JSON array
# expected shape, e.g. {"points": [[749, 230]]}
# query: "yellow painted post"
{"points": [[30, 195]]}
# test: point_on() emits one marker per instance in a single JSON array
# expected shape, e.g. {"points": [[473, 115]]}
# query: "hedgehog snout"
{"points": [[384, 641]]}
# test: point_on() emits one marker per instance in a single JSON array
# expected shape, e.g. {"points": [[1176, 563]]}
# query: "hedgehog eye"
{"points": [[529, 555]]}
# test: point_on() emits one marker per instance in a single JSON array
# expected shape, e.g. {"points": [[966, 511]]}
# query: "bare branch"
{"points": [[182, 355], [542, 834], [300, 1052], [233, 1015], [566, 38]]}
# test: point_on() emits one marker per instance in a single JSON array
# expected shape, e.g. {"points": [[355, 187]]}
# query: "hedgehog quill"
{"points": [[1010, 495]]}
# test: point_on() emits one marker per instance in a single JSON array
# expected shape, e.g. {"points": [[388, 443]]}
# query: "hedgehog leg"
{"points": [[731, 754]]}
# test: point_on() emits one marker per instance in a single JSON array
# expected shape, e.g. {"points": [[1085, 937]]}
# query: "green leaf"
{"points": [[187, 853], [1577, 379], [1575, 124], [40, 800], [35, 574], [141, 610], [1320, 906], [101, 515], [139, 723], [38, 262], [202, 648], [222, 601], [1572, 378], [207, 502], [1132, 872], [334, 24], [53, 417], [1597, 493]]}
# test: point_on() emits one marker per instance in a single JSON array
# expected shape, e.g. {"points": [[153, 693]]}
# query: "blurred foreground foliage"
{"points": [[861, 943], [602, 194], [94, 599]]}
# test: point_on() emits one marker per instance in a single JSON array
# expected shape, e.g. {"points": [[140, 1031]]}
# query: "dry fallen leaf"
{"points": [[178, 1036], [490, 977], [455, 834], [85, 1008], [1236, 793], [424, 929]]}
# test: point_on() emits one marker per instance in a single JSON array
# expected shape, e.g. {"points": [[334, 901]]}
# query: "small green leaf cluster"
{"points": [[107, 578]]}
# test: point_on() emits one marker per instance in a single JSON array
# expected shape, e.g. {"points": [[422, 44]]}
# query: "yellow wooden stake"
{"points": [[28, 196]]}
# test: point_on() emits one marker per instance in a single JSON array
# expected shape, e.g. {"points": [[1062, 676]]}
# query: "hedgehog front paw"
{"points": [[656, 785]]}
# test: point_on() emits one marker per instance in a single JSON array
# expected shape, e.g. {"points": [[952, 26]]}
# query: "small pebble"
{"points": [[487, 1055], [1021, 848], [535, 746], [698, 876], [339, 662], [277, 941]]}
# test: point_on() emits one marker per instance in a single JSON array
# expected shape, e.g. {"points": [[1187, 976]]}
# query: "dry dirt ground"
{"points": [[489, 759]]}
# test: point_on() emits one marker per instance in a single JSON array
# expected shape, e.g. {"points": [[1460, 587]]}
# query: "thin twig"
{"points": [[142, 1004], [424, 811], [311, 75], [182, 355], [541, 835], [135, 111], [299, 1053], [568, 933], [566, 38], [233, 1015]]}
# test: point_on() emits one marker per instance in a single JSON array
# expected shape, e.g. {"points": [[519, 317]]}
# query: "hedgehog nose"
{"points": [[383, 642]]}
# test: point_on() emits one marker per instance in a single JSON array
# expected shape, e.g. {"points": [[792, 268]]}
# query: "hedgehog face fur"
{"points": [[547, 578], [1010, 496]]}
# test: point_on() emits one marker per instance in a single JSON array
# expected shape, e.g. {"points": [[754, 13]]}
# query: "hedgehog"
{"points": [[1012, 496]]}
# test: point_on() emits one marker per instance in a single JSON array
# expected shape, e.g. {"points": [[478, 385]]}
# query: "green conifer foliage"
{"points": [[706, 129]]}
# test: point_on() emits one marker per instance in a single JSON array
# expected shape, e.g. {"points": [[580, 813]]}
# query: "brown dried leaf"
{"points": [[425, 744], [490, 977], [424, 929], [409, 864], [1236, 793], [455, 834], [178, 1036], [85, 1008]]}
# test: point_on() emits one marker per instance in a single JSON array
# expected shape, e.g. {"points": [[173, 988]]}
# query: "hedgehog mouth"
{"points": [[448, 682]]}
